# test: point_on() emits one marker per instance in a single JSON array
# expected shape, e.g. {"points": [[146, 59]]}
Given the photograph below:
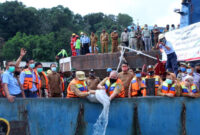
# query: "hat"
{"points": [[80, 75], [91, 70], [73, 69], [109, 70], [161, 36], [73, 34], [82, 33], [49, 72], [138, 70], [183, 63]]}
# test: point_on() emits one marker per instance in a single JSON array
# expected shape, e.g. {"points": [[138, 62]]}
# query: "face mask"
{"points": [[151, 73], [198, 71], [39, 70], [113, 80], [125, 31], [11, 69], [17, 73], [183, 69], [156, 28], [91, 74], [32, 66], [189, 71], [146, 28], [73, 74], [53, 69], [138, 75], [163, 40], [169, 81]]}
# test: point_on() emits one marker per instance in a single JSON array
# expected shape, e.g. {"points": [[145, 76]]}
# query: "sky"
{"points": [[149, 12]]}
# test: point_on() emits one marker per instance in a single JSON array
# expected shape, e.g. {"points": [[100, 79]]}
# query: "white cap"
{"points": [[161, 36]]}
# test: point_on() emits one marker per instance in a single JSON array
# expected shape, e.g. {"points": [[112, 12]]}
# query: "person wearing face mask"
{"points": [[113, 86], [30, 80], [169, 87], [125, 76], [125, 37], [146, 34], [10, 84], [156, 33], [44, 80], [151, 74], [114, 36], [137, 86], [92, 81], [189, 89], [104, 37], [55, 84], [182, 73], [167, 47], [78, 87], [196, 77], [132, 38]]}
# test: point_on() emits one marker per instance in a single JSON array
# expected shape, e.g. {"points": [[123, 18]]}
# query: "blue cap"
{"points": [[109, 69]]}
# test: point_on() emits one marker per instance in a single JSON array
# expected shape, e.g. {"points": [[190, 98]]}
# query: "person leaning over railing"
{"points": [[189, 89], [170, 87], [113, 86], [78, 87]]}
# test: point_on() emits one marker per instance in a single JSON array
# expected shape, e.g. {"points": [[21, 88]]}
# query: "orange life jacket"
{"points": [[135, 87], [111, 87], [46, 80], [63, 83], [28, 80], [157, 82], [167, 89], [185, 89], [81, 86]]}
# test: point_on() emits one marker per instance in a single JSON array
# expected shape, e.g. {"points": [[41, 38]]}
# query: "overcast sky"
{"points": [[152, 12]]}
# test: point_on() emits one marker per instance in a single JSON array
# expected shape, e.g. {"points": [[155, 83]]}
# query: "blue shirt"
{"points": [[165, 49], [85, 40], [22, 76], [13, 85]]}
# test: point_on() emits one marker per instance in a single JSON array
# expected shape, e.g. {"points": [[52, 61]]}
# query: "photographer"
{"points": [[171, 64]]}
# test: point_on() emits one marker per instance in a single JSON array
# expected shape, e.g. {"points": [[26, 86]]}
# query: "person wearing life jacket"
{"points": [[151, 74], [137, 86], [189, 89], [78, 87], [30, 80], [72, 44], [113, 86], [43, 80], [170, 87]]}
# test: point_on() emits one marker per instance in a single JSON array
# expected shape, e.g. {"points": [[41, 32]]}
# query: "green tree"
{"points": [[124, 20]]}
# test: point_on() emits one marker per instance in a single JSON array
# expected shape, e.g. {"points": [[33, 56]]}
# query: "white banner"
{"points": [[186, 42]]}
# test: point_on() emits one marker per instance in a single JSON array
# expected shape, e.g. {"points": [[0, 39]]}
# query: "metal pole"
{"points": [[138, 52]]}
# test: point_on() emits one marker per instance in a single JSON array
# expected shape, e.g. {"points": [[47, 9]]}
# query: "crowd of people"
{"points": [[33, 82], [138, 38]]}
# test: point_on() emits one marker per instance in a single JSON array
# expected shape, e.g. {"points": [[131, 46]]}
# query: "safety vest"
{"points": [[46, 80], [166, 89], [185, 89], [79, 85], [135, 87], [28, 80], [157, 82], [63, 84], [111, 87]]}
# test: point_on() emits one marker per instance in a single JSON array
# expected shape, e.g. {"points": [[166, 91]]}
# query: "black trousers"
{"points": [[85, 49]]}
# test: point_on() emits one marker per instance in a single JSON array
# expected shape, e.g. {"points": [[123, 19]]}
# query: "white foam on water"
{"points": [[102, 122]]}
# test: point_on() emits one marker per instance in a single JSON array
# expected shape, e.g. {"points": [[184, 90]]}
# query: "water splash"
{"points": [[102, 122]]}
